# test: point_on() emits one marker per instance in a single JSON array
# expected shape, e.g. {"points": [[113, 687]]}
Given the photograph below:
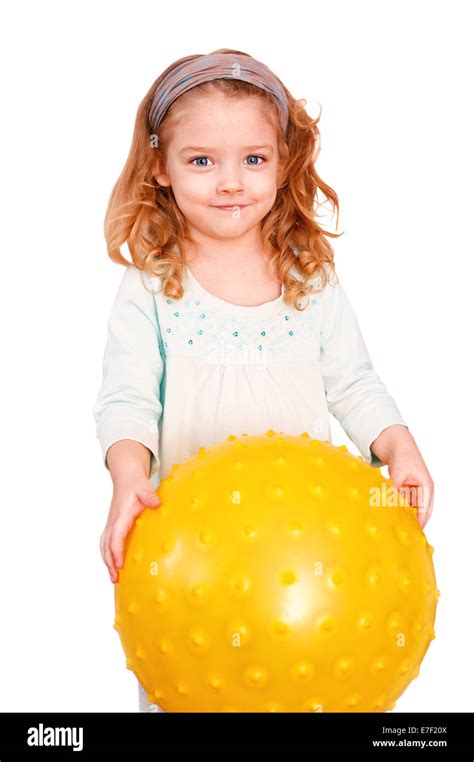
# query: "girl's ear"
{"points": [[160, 176], [162, 179]]}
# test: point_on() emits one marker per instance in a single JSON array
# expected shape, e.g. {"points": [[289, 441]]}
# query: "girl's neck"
{"points": [[230, 261]]}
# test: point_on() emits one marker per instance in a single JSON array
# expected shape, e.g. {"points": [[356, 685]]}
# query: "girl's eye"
{"points": [[205, 158], [252, 156], [199, 158]]}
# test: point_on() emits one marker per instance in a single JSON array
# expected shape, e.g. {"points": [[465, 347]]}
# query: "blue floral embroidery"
{"points": [[216, 344]]}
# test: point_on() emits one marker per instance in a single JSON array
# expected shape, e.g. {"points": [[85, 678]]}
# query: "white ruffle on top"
{"points": [[179, 374]]}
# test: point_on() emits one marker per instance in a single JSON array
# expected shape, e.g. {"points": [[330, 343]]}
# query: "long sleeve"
{"points": [[355, 394], [128, 405]]}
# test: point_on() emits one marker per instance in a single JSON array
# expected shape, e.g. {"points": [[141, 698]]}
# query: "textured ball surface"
{"points": [[275, 577]]}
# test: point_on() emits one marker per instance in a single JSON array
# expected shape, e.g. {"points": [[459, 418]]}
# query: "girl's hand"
{"points": [[131, 495], [396, 447], [411, 477]]}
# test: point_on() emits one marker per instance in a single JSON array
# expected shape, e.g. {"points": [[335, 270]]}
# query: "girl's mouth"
{"points": [[231, 208]]}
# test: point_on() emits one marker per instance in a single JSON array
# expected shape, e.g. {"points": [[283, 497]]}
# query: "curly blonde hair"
{"points": [[146, 216]]}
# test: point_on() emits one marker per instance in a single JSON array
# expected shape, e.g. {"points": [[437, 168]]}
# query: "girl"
{"points": [[231, 318]]}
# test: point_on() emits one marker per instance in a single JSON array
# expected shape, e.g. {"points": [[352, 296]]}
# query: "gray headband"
{"points": [[215, 66]]}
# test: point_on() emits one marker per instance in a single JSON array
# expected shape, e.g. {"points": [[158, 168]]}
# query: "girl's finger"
{"points": [[109, 558], [117, 540], [102, 544], [147, 495], [425, 503], [430, 508], [425, 495]]}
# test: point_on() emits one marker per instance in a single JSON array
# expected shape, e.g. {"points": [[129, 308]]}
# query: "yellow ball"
{"points": [[277, 575]]}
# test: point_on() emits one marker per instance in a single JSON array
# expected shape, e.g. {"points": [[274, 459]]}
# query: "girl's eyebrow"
{"points": [[210, 148]]}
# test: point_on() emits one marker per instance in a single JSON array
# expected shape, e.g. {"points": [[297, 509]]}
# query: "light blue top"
{"points": [[184, 374]]}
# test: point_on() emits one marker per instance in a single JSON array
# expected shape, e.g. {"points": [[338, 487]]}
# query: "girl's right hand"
{"points": [[131, 495]]}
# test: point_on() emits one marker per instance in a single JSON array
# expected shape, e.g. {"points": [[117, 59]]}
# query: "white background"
{"points": [[394, 80]]}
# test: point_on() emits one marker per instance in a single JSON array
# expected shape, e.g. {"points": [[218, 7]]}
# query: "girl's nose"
{"points": [[230, 179]]}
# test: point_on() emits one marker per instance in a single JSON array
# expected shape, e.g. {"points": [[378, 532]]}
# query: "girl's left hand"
{"points": [[407, 469]]}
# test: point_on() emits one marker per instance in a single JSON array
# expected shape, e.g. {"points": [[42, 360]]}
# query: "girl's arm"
{"points": [[128, 410], [360, 401], [128, 455], [128, 405], [355, 394]]}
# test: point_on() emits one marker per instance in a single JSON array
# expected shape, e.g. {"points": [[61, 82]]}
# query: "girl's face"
{"points": [[223, 153]]}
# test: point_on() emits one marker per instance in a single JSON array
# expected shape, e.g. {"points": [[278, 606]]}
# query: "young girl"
{"points": [[231, 319]]}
